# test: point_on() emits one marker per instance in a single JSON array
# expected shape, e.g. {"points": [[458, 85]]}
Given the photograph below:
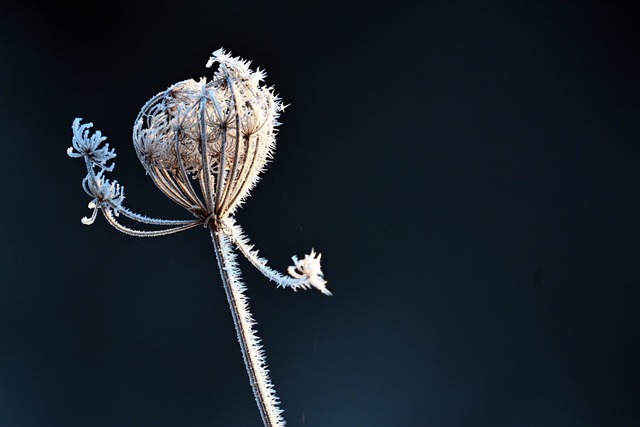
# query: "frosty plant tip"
{"points": [[204, 145]]}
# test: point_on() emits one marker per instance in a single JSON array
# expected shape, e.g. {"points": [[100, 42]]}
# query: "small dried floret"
{"points": [[106, 193], [310, 270], [88, 146]]}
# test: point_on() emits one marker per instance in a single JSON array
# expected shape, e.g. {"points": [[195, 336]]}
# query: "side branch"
{"points": [[108, 214], [304, 274]]}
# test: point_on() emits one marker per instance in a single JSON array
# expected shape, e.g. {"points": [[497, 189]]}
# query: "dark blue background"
{"points": [[470, 171]]}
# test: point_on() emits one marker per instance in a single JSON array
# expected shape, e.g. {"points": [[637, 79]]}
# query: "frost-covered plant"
{"points": [[204, 144]]}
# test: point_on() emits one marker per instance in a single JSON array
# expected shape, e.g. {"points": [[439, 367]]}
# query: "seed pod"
{"points": [[219, 132]]}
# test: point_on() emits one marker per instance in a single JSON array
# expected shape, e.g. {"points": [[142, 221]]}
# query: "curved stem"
{"points": [[206, 188], [231, 178], [239, 239], [153, 221], [184, 182], [138, 233], [252, 353]]}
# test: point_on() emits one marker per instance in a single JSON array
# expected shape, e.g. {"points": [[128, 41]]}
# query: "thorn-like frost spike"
{"points": [[309, 270], [204, 144]]}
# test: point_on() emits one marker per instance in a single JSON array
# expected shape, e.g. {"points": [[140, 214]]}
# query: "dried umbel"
{"points": [[221, 132], [204, 144]]}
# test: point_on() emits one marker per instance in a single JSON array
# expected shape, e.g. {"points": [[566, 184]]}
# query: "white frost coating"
{"points": [[253, 354], [204, 144]]}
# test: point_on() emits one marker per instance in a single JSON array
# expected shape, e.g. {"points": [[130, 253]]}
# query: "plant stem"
{"points": [[252, 353]]}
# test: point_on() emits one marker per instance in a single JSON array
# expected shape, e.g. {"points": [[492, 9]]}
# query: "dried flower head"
{"points": [[204, 143], [220, 132], [89, 147]]}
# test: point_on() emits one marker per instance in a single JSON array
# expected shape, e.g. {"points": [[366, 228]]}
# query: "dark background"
{"points": [[469, 170]]}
